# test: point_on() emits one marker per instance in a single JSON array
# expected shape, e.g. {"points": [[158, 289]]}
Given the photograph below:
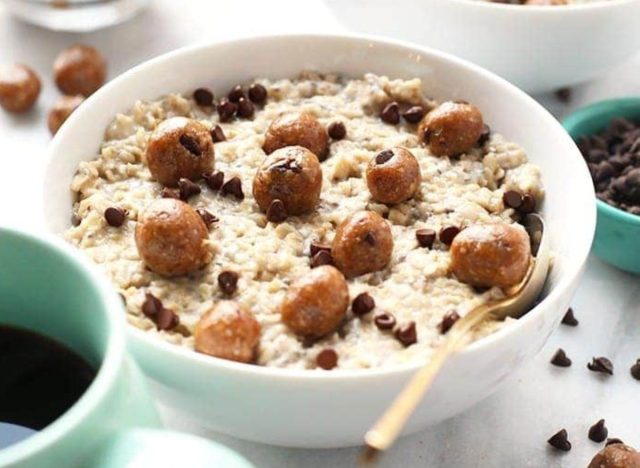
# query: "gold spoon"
{"points": [[518, 300]]}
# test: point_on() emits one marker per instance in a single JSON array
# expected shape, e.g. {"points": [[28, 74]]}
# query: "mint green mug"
{"points": [[46, 287]]}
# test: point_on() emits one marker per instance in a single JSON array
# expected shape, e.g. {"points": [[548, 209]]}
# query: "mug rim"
{"points": [[110, 362]]}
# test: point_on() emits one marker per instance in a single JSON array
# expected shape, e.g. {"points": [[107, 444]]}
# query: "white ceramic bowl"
{"points": [[539, 48], [330, 409]]}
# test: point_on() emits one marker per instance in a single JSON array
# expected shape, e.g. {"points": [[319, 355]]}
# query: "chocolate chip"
{"points": [[75, 220], [407, 334], [601, 364], [151, 306], [217, 134], [370, 239], [207, 217], [613, 441], [115, 216], [560, 359], [170, 193], [246, 108], [528, 204], [316, 247], [448, 320], [236, 93], [363, 304], [166, 319], [233, 187], [512, 199], [448, 233], [563, 95], [337, 130], [385, 321], [569, 318], [188, 188], [228, 282], [598, 432], [327, 359], [203, 97], [321, 258], [560, 441], [485, 135], [257, 93], [635, 370], [413, 114], [226, 110], [214, 180], [383, 156], [276, 213], [425, 237], [391, 113], [190, 144], [604, 171]]}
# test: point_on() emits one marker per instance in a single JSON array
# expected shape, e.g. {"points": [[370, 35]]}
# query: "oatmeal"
{"points": [[260, 250]]}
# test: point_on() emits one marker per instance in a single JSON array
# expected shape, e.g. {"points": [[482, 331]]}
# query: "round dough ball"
{"points": [[61, 111], [297, 129], [19, 88], [451, 128], [393, 176], [79, 69]]}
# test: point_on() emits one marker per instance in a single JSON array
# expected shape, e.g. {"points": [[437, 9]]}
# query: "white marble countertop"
{"points": [[510, 428]]}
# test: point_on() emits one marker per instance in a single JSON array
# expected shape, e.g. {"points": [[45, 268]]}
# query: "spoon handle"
{"points": [[386, 430]]}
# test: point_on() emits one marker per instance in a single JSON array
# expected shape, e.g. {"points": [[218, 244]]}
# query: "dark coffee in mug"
{"points": [[40, 379]]}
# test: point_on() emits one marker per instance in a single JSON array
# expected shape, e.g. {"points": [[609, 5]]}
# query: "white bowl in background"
{"points": [[331, 409], [538, 48]]}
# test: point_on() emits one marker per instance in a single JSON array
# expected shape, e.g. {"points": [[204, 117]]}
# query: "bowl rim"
{"points": [[594, 111], [211, 363], [546, 9]]}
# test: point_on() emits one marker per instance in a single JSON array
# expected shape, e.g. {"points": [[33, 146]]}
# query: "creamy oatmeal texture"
{"points": [[415, 286]]}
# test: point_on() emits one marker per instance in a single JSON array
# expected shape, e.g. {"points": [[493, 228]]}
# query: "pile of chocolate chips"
{"points": [[613, 157]]}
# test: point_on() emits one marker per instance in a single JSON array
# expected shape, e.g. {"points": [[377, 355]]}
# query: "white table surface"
{"points": [[508, 429]]}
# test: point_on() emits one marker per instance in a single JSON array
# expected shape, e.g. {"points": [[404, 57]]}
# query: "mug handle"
{"points": [[141, 448]]}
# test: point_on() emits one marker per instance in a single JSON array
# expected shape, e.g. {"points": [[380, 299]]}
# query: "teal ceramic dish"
{"points": [[617, 231]]}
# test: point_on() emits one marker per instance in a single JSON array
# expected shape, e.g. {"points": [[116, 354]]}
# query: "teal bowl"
{"points": [[617, 232]]}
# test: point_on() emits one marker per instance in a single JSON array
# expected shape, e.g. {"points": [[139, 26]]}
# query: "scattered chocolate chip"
{"points": [[425, 237], [276, 213], [226, 110], [217, 134], [560, 441], [598, 432], [233, 187], [166, 319], [207, 217], [153, 309], [635, 370], [214, 180], [246, 108], [188, 188], [115, 216], [321, 258], [363, 304], [407, 334], [257, 93], [236, 93], [190, 144], [601, 364], [485, 135], [316, 247], [170, 193], [75, 220], [151, 305], [327, 359], [528, 204], [383, 156], [391, 113], [448, 320], [563, 95], [512, 199], [228, 282], [203, 97], [448, 233], [613, 441], [561, 359], [370, 239], [337, 130], [385, 321], [413, 114], [569, 318]]}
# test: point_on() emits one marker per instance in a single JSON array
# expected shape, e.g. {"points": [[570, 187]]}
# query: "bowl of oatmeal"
{"points": [[284, 233], [540, 46]]}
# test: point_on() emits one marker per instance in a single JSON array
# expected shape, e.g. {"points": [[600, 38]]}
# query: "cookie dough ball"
{"points": [[171, 238], [292, 175], [179, 148], [487, 255], [228, 331], [451, 128], [362, 244], [316, 303], [297, 129], [79, 69], [19, 88], [393, 175], [616, 456], [61, 111]]}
